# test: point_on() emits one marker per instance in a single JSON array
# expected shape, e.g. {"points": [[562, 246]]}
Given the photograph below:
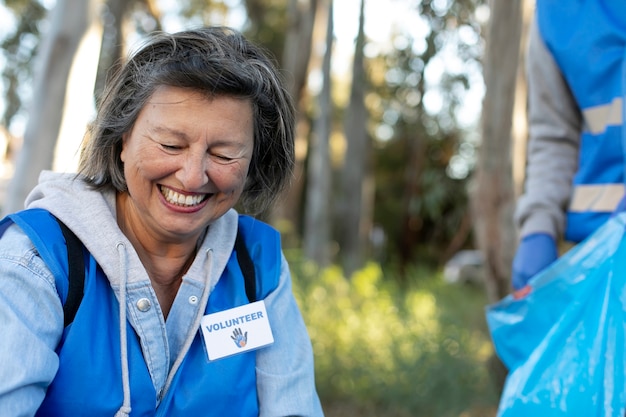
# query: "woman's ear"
{"points": [[124, 139]]}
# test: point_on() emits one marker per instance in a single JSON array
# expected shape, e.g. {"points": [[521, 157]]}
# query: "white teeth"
{"points": [[180, 199]]}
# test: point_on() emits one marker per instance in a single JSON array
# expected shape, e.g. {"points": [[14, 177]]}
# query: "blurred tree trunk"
{"points": [[296, 57], [520, 117], [297, 53], [113, 37], [69, 23], [316, 236], [112, 40], [352, 220], [493, 196]]}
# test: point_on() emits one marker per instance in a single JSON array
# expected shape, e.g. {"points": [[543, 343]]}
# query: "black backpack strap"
{"points": [[76, 274], [247, 267]]}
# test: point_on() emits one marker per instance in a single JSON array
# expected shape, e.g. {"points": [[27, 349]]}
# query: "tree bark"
{"points": [[520, 116], [317, 211], [352, 219], [298, 43], [493, 197], [295, 60], [112, 40], [114, 17]]}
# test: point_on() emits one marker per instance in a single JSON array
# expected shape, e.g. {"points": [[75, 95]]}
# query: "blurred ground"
{"points": [[353, 410]]}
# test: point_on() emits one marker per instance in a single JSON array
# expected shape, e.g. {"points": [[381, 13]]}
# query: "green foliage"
{"points": [[204, 12], [417, 350], [266, 20], [420, 200], [437, 203], [267, 24]]}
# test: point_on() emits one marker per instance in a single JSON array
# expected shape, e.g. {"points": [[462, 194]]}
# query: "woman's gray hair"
{"points": [[217, 61]]}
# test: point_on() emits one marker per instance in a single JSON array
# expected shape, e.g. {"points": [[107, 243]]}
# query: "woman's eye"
{"points": [[170, 147], [220, 157]]}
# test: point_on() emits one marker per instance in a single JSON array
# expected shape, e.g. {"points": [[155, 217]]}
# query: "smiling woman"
{"points": [[194, 123]]}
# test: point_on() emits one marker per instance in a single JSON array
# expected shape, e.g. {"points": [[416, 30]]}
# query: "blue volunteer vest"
{"points": [[89, 379], [588, 42]]}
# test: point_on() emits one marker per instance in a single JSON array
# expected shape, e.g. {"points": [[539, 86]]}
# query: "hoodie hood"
{"points": [[91, 215]]}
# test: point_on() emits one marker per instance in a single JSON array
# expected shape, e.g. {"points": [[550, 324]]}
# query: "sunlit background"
{"points": [[387, 24], [404, 334]]}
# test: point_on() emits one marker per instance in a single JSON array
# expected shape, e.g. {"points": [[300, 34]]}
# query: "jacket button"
{"points": [[193, 300], [143, 304]]}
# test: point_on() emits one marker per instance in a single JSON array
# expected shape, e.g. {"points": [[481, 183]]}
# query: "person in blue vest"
{"points": [[575, 165], [190, 126]]}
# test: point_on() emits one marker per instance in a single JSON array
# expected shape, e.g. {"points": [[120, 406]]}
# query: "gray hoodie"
{"points": [[555, 123]]}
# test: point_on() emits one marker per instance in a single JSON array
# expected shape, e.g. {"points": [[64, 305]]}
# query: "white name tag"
{"points": [[237, 330]]}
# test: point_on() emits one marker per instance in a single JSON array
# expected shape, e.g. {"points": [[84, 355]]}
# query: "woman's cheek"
{"points": [[231, 178]]}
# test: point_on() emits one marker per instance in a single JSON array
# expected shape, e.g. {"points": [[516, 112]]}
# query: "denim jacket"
{"points": [[32, 319]]}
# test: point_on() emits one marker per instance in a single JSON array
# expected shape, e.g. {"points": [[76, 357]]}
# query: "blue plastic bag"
{"points": [[562, 337]]}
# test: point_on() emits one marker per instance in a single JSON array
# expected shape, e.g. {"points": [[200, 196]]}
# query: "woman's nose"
{"points": [[193, 174]]}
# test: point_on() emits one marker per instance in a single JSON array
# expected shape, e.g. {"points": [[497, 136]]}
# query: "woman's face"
{"points": [[185, 161]]}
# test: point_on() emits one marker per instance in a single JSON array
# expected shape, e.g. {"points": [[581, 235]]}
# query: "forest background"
{"points": [[410, 149]]}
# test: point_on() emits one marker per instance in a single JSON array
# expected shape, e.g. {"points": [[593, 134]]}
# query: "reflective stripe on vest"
{"points": [[597, 197], [598, 118]]}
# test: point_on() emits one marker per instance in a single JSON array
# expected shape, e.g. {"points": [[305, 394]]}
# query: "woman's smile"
{"points": [[182, 199]]}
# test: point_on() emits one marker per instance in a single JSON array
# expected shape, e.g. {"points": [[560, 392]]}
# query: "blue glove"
{"points": [[535, 253]]}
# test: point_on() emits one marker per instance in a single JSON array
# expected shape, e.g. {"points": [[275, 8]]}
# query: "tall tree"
{"points": [[295, 60], [520, 118], [69, 23], [352, 220], [317, 211], [112, 40], [493, 198], [114, 14], [297, 50]]}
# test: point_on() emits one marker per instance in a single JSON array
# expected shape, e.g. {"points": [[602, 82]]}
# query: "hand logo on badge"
{"points": [[241, 339]]}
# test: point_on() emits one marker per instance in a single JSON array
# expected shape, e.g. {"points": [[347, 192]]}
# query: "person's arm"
{"points": [[555, 123], [285, 372], [31, 318]]}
